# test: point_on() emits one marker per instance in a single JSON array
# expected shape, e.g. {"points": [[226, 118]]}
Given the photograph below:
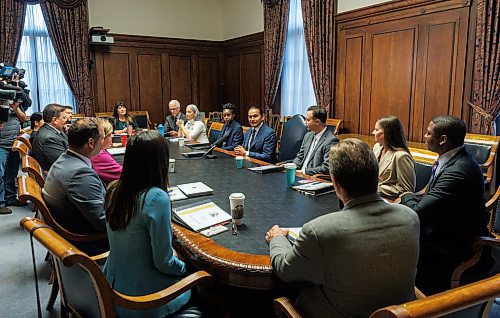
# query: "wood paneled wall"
{"points": [[147, 72], [404, 58]]}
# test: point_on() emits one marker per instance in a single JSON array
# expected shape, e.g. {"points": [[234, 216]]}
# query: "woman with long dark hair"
{"points": [[396, 166], [138, 212], [121, 118]]}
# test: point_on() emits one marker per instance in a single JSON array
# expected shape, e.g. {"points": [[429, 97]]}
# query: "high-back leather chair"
{"points": [[334, 125], [141, 118], [215, 116], [423, 171], [214, 131], [33, 169], [85, 292], [104, 115], [294, 130]]}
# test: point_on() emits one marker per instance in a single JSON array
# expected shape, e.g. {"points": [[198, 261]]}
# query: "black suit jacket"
{"points": [[451, 214], [48, 145], [235, 135]]}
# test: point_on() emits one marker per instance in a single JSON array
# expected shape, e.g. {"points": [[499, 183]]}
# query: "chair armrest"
{"points": [[479, 243], [100, 258], [419, 294], [283, 307], [163, 296]]}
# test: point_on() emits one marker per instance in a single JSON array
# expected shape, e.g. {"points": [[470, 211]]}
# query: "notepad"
{"points": [[195, 189], [266, 169], [293, 233], [201, 216]]}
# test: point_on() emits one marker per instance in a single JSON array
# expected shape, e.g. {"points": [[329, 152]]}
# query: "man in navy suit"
{"points": [[231, 127], [451, 212], [260, 141]]}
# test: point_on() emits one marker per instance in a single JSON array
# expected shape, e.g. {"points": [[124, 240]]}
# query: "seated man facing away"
{"points": [[260, 141], [73, 191], [451, 212], [51, 141], [359, 259], [231, 127], [312, 157]]}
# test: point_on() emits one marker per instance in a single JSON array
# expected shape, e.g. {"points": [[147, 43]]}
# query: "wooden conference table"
{"points": [[241, 260]]}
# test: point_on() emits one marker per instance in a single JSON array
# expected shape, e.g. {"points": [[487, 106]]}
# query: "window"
{"points": [[297, 92], [43, 73]]}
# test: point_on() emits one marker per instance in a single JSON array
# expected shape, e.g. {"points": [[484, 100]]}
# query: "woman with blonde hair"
{"points": [[193, 129], [396, 166], [106, 167]]}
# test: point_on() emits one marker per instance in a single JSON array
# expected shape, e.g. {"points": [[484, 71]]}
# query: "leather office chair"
{"points": [[141, 118], [33, 169], [423, 171], [215, 116], [275, 124], [334, 125], [294, 130], [75, 117], [214, 131], [245, 128], [20, 147], [26, 131], [85, 292], [25, 137], [28, 189]]}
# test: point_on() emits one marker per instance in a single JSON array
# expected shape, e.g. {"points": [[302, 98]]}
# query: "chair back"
{"points": [[245, 129], [275, 124], [334, 125], [472, 300], [423, 171], [215, 116], [479, 152], [294, 130], [20, 147], [85, 291], [25, 137], [26, 131], [33, 169], [75, 117], [28, 189], [104, 115], [141, 118], [215, 131]]}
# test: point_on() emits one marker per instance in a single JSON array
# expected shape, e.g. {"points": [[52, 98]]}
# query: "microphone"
{"points": [[217, 143]]}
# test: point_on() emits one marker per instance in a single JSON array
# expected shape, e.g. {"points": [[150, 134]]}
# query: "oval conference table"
{"points": [[241, 260]]}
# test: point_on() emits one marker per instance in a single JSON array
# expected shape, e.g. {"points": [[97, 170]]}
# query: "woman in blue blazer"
{"points": [[141, 258]]}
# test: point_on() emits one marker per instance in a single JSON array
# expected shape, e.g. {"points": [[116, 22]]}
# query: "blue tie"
{"points": [[252, 136], [433, 172]]}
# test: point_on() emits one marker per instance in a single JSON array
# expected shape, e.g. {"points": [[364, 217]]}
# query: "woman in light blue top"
{"points": [[141, 258]]}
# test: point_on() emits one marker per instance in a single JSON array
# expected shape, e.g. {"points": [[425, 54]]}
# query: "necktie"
{"points": [[252, 136], [433, 172], [309, 155]]}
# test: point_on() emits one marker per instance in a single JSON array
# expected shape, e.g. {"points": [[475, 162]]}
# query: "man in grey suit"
{"points": [[73, 191], [51, 141], [171, 127], [312, 157], [359, 259]]}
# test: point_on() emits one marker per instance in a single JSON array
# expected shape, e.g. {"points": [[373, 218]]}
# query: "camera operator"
{"points": [[9, 160]]}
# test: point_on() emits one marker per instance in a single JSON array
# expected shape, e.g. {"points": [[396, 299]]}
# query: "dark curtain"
{"points": [[275, 29], [319, 33], [486, 85], [12, 14], [68, 26]]}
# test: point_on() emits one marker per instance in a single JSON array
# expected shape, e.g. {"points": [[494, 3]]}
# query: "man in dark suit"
{"points": [[231, 127], [351, 262], [451, 212], [312, 157], [51, 141], [260, 141], [171, 127]]}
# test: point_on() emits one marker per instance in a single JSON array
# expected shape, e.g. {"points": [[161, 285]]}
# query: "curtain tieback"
{"points": [[481, 112]]}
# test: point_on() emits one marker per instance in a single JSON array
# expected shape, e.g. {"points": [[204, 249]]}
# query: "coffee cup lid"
{"points": [[171, 160], [290, 166], [237, 196], [239, 157]]}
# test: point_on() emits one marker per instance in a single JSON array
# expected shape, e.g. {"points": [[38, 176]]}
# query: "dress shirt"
{"points": [[85, 159], [444, 158], [54, 128], [311, 150]]}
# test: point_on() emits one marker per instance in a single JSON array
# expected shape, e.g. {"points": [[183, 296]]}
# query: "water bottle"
{"points": [[161, 130]]}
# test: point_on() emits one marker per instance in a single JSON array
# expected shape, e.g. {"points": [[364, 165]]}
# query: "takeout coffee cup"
{"points": [[171, 165], [290, 169], [237, 204], [239, 162], [181, 142]]}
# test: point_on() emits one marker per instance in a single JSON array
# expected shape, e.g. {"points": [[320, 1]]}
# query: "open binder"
{"points": [[200, 215]]}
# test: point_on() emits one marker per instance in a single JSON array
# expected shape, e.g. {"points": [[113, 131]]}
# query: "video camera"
{"points": [[12, 88]]}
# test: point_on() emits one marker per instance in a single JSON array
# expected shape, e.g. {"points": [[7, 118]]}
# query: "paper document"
{"points": [[116, 151], [175, 194], [293, 233], [202, 216]]}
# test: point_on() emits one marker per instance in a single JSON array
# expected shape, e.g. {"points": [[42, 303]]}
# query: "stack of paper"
{"points": [[266, 169], [201, 216]]}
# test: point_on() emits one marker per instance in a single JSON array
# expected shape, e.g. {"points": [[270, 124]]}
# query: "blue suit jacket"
{"points": [[263, 146], [235, 135]]}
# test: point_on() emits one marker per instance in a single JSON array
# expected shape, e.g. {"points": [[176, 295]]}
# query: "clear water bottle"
{"points": [[161, 130]]}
